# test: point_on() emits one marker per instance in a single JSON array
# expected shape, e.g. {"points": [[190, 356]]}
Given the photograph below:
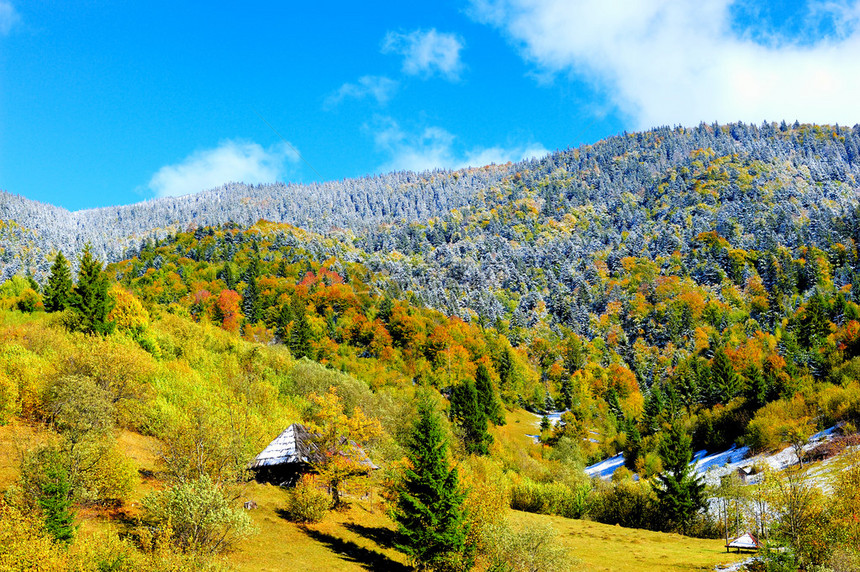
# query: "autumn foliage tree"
{"points": [[338, 439], [228, 311]]}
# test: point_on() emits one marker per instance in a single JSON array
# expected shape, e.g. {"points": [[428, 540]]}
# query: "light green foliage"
{"points": [[550, 498], [78, 407], [527, 549], [197, 516], [306, 502], [307, 377]]}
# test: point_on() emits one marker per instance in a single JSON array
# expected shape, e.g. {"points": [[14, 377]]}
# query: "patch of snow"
{"points": [[737, 566], [712, 466], [606, 467]]}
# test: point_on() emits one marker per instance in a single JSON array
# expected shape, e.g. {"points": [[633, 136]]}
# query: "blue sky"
{"points": [[105, 102]]}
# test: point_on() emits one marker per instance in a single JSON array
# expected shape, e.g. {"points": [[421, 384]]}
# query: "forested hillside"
{"points": [[668, 290]]}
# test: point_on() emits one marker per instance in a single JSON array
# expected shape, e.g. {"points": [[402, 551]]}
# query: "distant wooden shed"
{"points": [[292, 454], [746, 541]]}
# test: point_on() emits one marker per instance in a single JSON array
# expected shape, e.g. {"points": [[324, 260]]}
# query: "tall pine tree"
{"points": [[429, 513], [90, 301], [724, 380], [467, 412], [487, 396], [680, 494], [58, 291]]}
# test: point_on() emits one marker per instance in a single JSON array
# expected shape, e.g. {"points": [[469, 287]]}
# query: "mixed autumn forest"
{"points": [[666, 292]]}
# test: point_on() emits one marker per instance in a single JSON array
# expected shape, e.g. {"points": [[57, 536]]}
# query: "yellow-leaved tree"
{"points": [[339, 439]]}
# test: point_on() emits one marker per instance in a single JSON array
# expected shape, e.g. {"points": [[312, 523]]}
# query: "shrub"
{"points": [[626, 503], [550, 498], [530, 548], [306, 502], [196, 516]]}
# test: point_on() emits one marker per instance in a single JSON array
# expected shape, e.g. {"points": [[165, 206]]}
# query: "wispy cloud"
{"points": [[675, 61], [380, 88], [427, 53], [8, 17], [435, 148], [231, 161]]}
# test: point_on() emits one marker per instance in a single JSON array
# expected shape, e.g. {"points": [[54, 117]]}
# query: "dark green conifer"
{"points": [[467, 412], [680, 494], [299, 341], [487, 396], [251, 294], [56, 504], [58, 291], [91, 302], [724, 380], [429, 513], [758, 391]]}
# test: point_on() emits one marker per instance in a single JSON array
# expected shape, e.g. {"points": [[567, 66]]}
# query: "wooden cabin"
{"points": [[291, 455]]}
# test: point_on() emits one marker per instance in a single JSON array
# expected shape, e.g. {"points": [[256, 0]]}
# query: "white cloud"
{"points": [[676, 61], [8, 17], [427, 53], [435, 148], [231, 161], [380, 88]]}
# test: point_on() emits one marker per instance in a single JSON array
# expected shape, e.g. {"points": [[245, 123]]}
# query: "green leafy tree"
{"points": [[56, 502], [468, 413], [680, 494], [429, 513], [58, 291], [90, 301]]}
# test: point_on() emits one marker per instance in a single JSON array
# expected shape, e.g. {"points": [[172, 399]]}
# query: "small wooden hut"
{"points": [[746, 541], [292, 454]]}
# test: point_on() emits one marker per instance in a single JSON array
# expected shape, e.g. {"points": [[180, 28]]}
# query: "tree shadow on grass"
{"points": [[384, 537], [352, 552]]}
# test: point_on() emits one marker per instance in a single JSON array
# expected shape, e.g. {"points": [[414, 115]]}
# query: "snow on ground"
{"points": [[737, 566], [605, 468], [712, 466]]}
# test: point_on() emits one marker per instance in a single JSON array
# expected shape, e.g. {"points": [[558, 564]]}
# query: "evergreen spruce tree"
{"points": [[56, 504], [90, 300], [758, 390], [429, 513], [300, 334], [680, 494], [467, 412], [724, 380], [487, 396], [251, 294], [58, 290]]}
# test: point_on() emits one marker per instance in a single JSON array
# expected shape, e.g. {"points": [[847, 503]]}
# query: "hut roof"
{"points": [[745, 541], [295, 446]]}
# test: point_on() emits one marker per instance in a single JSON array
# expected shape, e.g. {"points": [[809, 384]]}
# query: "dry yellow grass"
{"points": [[605, 548], [16, 437], [355, 539]]}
